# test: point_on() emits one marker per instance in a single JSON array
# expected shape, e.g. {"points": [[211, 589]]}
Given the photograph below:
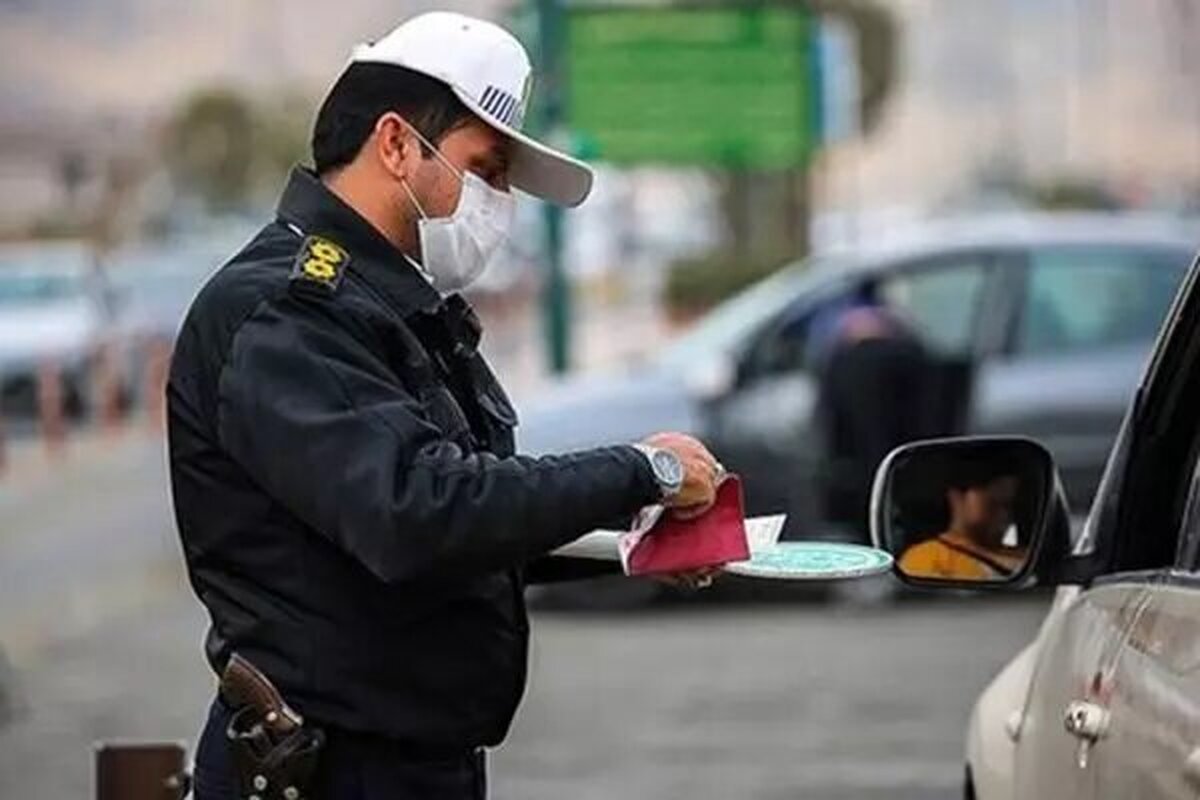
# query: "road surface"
{"points": [[798, 700]]}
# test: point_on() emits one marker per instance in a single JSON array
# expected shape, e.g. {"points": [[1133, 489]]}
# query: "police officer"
{"points": [[351, 509]]}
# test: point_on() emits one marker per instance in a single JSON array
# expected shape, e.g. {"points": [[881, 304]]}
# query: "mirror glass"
{"points": [[964, 511]]}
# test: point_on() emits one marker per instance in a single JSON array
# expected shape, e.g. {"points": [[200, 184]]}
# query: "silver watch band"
{"points": [[666, 489]]}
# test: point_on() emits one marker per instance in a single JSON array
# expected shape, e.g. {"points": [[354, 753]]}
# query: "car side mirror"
{"points": [[967, 513]]}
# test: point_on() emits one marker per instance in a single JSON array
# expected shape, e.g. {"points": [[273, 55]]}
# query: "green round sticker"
{"points": [[813, 561]]}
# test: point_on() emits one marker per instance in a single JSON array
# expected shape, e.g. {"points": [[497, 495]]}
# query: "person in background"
{"points": [[872, 398]]}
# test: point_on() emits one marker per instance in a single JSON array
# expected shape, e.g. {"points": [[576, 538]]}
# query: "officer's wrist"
{"points": [[646, 484], [666, 470]]}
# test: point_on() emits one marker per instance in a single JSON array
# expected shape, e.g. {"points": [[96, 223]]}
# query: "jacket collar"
{"points": [[309, 205]]}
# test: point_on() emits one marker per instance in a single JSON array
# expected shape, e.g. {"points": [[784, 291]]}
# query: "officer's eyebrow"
{"points": [[492, 165], [495, 158]]}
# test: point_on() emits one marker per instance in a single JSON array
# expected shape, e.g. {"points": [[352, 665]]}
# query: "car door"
{"points": [[956, 305], [766, 428], [1152, 695], [1083, 326], [1151, 734], [763, 428], [1112, 709], [950, 300], [1074, 676]]}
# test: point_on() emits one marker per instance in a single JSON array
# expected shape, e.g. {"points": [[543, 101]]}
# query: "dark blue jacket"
{"points": [[350, 507]]}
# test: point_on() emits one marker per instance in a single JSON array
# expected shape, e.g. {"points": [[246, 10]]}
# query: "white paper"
{"points": [[761, 534], [600, 545]]}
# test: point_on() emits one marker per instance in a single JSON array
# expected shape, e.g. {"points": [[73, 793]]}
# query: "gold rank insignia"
{"points": [[320, 261]]}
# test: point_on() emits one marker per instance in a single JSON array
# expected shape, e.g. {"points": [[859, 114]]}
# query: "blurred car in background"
{"points": [[157, 282], [56, 307], [156, 286], [1052, 317], [60, 305]]}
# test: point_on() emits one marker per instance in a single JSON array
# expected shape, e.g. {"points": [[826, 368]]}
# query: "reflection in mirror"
{"points": [[964, 510]]}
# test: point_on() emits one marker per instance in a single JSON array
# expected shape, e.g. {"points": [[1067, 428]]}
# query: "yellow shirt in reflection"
{"points": [[948, 556]]}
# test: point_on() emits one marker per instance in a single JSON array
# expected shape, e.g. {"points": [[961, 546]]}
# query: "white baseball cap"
{"points": [[488, 69]]}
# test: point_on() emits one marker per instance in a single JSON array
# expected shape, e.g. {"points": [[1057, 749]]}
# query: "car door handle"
{"points": [[1087, 722]]}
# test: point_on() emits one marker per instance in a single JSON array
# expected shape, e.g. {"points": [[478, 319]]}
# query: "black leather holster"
{"points": [[274, 752]]}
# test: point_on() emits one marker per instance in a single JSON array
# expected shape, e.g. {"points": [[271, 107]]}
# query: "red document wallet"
{"points": [[660, 543]]}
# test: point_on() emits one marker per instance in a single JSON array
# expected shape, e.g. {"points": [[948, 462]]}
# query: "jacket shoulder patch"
{"points": [[320, 262]]}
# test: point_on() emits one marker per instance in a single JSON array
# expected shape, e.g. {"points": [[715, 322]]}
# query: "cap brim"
{"points": [[535, 168]]}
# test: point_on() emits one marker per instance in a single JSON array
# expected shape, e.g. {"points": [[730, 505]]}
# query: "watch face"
{"points": [[668, 468]]}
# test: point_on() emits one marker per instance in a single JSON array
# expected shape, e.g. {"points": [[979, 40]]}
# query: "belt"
{"points": [[385, 746]]}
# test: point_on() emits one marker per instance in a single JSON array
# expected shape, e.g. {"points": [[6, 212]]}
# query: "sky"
{"points": [[1045, 86], [106, 56]]}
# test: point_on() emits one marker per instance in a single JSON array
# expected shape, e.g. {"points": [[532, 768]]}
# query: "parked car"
{"points": [[1105, 701], [55, 307], [1051, 315], [158, 280]]}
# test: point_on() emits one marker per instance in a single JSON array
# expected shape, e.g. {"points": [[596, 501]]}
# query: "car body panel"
{"points": [[991, 746], [997, 720], [1080, 644], [1071, 403], [1152, 744]]}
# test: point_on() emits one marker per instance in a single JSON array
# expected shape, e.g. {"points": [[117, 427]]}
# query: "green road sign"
{"points": [[702, 85]]}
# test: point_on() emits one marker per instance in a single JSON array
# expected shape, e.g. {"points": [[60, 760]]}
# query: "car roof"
{"points": [[1018, 231]]}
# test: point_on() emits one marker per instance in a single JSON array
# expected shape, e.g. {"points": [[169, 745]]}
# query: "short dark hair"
{"points": [[366, 91], [976, 471]]}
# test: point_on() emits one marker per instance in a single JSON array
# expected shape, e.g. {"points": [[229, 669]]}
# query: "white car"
{"points": [[1105, 701], [55, 308]]}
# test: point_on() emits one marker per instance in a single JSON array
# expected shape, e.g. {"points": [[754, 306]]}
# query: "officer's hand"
{"points": [[701, 473]]}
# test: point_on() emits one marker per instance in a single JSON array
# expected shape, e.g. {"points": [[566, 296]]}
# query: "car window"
{"points": [[941, 301], [789, 344], [1149, 500], [1080, 299], [38, 289], [727, 326]]}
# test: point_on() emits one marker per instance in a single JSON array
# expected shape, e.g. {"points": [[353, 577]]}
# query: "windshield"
{"points": [[723, 328]]}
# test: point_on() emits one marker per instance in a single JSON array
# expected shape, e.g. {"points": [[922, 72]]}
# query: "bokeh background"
{"points": [[141, 143]]}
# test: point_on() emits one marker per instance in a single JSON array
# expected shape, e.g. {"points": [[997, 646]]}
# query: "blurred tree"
{"points": [[768, 213], [230, 150], [1073, 194], [696, 284], [210, 145], [281, 138]]}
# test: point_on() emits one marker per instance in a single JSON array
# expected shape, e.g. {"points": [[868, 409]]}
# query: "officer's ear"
{"points": [[396, 146]]}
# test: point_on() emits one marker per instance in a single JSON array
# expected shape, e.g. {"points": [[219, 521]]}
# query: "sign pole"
{"points": [[556, 292]]}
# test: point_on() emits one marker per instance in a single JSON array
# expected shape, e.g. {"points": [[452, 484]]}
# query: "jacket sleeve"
{"points": [[556, 569], [324, 425]]}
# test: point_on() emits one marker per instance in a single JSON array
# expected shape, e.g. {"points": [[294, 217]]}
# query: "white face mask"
{"points": [[456, 249]]}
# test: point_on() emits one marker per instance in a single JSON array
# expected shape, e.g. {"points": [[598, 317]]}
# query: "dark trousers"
{"points": [[352, 767]]}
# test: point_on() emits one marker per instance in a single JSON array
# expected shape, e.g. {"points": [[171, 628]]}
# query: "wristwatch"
{"points": [[667, 468]]}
